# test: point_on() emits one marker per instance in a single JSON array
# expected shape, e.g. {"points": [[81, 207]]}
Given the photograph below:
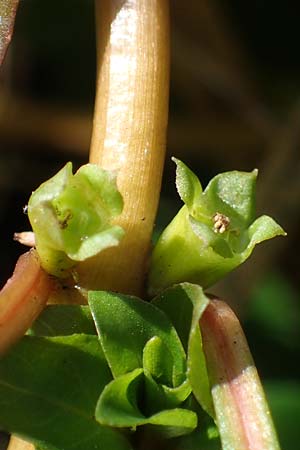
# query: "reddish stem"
{"points": [[242, 412]]}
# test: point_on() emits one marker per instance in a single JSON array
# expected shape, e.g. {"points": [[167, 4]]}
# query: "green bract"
{"points": [[213, 233], [71, 216]]}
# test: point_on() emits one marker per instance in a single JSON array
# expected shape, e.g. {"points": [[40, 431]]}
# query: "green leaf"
{"points": [[205, 436], [233, 194], [157, 397], [212, 233], [63, 320], [118, 406], [262, 229], [187, 184], [125, 324], [118, 403], [49, 388], [184, 304], [71, 216], [158, 361]]}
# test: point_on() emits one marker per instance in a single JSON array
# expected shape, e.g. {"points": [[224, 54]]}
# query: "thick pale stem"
{"points": [[242, 413], [18, 444], [129, 130]]}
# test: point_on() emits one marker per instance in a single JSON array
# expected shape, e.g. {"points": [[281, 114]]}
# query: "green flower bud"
{"points": [[213, 233], [71, 216]]}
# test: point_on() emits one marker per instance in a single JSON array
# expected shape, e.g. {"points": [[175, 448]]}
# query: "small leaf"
{"points": [[262, 229], [157, 397], [158, 361], [127, 323], [184, 304], [233, 193], [174, 422], [49, 388], [118, 407], [64, 320], [187, 184], [118, 403]]}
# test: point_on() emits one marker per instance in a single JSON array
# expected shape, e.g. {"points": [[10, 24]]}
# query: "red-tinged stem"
{"points": [[8, 10], [22, 299], [242, 413]]}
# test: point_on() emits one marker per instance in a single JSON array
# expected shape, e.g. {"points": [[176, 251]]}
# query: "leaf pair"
{"points": [[148, 363], [73, 391]]}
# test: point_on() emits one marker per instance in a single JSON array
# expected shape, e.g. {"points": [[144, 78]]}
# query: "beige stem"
{"points": [[18, 444], [129, 131]]}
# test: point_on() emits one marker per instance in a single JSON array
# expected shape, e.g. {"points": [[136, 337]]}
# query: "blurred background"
{"points": [[234, 104]]}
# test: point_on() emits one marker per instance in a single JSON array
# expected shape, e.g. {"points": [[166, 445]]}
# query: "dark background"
{"points": [[234, 104]]}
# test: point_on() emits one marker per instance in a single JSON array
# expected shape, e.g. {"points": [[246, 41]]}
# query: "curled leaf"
{"points": [[118, 406], [184, 305]]}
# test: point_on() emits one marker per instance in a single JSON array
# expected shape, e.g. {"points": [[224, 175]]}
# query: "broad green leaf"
{"points": [[212, 233], [49, 388], [71, 216], [118, 406], [64, 320], [125, 324], [184, 304]]}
